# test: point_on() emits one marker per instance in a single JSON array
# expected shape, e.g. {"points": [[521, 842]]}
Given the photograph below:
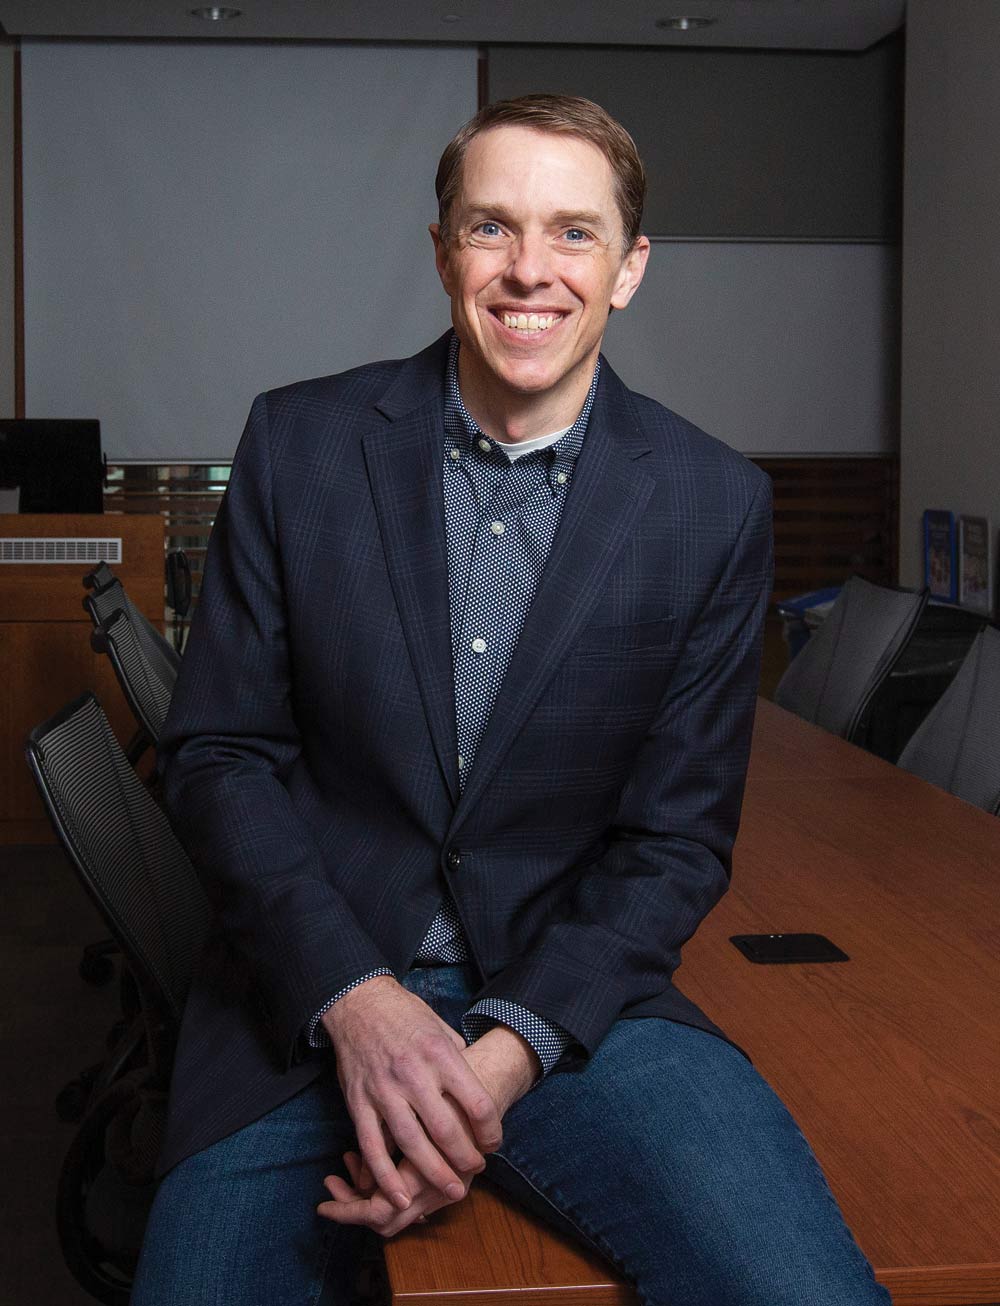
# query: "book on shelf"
{"points": [[975, 570], [940, 554]]}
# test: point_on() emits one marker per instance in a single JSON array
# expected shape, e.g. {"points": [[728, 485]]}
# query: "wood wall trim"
{"points": [[833, 518]]}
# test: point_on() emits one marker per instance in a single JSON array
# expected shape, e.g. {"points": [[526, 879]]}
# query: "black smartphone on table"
{"points": [[771, 948]]}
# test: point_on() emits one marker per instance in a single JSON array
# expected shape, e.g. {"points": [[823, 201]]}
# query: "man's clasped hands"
{"points": [[411, 1083]]}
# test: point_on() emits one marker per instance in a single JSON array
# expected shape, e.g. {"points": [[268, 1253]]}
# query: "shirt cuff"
{"points": [[316, 1035], [549, 1041]]}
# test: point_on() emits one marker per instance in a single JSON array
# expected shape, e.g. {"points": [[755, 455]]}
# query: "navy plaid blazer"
{"points": [[309, 754]]}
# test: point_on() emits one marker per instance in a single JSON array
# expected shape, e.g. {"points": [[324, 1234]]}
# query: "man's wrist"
{"points": [[355, 999], [506, 1063], [548, 1040], [518, 1045]]}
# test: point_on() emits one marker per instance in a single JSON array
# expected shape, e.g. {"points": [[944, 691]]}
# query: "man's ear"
{"points": [[631, 273], [440, 255]]}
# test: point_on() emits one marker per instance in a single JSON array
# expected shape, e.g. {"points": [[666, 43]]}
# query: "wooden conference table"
{"points": [[890, 1062]]}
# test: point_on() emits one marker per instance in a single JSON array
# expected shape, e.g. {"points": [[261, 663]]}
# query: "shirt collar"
{"points": [[462, 432]]}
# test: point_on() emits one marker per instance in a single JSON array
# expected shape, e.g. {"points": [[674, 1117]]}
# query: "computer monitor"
{"points": [[53, 465]]}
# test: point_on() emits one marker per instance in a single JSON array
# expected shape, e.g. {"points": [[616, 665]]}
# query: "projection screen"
{"points": [[205, 221]]}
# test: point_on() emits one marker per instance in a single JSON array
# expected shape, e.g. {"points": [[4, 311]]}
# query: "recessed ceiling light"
{"points": [[215, 13], [685, 24]]}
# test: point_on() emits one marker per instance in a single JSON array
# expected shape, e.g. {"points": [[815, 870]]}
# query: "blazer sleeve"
{"points": [[616, 937], [228, 745]]}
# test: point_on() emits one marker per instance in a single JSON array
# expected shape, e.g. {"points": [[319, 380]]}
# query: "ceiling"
{"points": [[771, 24]]}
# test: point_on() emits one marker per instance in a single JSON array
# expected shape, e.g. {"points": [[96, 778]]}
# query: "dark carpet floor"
{"points": [[52, 1025]]}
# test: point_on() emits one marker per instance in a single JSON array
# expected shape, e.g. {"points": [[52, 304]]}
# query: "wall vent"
{"points": [[46, 549]]}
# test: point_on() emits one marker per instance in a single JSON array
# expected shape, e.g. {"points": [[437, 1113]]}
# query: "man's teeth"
{"points": [[529, 321]]}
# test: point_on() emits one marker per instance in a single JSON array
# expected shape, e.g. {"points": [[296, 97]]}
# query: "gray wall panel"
{"points": [[743, 143], [950, 436], [776, 349], [7, 251]]}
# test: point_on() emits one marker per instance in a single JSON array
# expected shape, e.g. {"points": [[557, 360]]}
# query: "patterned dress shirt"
{"points": [[501, 516]]}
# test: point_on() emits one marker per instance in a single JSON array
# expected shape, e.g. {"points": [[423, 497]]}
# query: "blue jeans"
{"points": [[667, 1153]]}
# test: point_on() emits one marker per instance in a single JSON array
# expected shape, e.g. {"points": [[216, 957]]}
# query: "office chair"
{"points": [[833, 680], [133, 867], [145, 666], [957, 745], [107, 595], [99, 578], [143, 660], [179, 592], [147, 684]]}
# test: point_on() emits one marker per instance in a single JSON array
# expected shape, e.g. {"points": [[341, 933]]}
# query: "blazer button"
{"points": [[454, 859]]}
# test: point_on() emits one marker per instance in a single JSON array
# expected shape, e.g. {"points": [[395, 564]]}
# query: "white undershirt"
{"points": [[519, 448]]}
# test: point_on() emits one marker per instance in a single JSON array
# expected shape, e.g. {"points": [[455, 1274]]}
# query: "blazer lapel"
{"points": [[608, 494], [404, 460]]}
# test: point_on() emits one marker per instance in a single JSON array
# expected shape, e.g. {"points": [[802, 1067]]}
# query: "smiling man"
{"points": [[459, 748], [533, 252]]}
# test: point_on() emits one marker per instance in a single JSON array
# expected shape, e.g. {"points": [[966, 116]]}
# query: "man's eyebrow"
{"points": [[578, 218], [480, 209]]}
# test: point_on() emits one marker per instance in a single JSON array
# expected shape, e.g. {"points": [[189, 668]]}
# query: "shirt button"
{"points": [[484, 445], [496, 527], [454, 454], [454, 859], [461, 762], [479, 646], [561, 478]]}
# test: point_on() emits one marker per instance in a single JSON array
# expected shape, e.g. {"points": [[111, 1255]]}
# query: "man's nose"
{"points": [[531, 262]]}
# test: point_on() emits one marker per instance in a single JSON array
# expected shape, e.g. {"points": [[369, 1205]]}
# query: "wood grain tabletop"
{"points": [[889, 1062]]}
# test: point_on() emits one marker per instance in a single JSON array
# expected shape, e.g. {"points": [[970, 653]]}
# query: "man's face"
{"points": [[534, 261]]}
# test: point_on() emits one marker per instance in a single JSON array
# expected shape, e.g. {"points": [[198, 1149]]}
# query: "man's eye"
{"points": [[575, 235], [489, 229]]}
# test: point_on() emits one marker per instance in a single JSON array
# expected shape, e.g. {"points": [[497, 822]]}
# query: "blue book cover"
{"points": [[940, 554]]}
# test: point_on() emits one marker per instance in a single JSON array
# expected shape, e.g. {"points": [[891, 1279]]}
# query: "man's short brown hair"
{"points": [[568, 115]]}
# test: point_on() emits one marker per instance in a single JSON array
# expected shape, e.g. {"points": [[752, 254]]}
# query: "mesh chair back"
{"points": [[147, 686], [97, 579], [103, 603], [957, 745], [124, 850], [834, 678]]}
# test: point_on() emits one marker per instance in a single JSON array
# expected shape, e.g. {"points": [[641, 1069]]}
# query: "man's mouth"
{"points": [[527, 322]]}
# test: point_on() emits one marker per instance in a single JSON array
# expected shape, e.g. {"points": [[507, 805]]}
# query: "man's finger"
{"points": [[464, 1085], [339, 1189], [375, 1212], [451, 1133], [414, 1143], [378, 1160], [365, 1179], [360, 1176], [351, 1207]]}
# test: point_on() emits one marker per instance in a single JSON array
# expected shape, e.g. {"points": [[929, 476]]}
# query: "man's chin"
{"points": [[519, 375], [526, 379]]}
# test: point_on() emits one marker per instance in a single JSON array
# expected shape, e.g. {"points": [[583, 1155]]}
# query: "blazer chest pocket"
{"points": [[632, 638]]}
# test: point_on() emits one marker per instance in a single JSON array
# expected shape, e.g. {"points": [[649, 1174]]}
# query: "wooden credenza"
{"points": [[45, 654]]}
